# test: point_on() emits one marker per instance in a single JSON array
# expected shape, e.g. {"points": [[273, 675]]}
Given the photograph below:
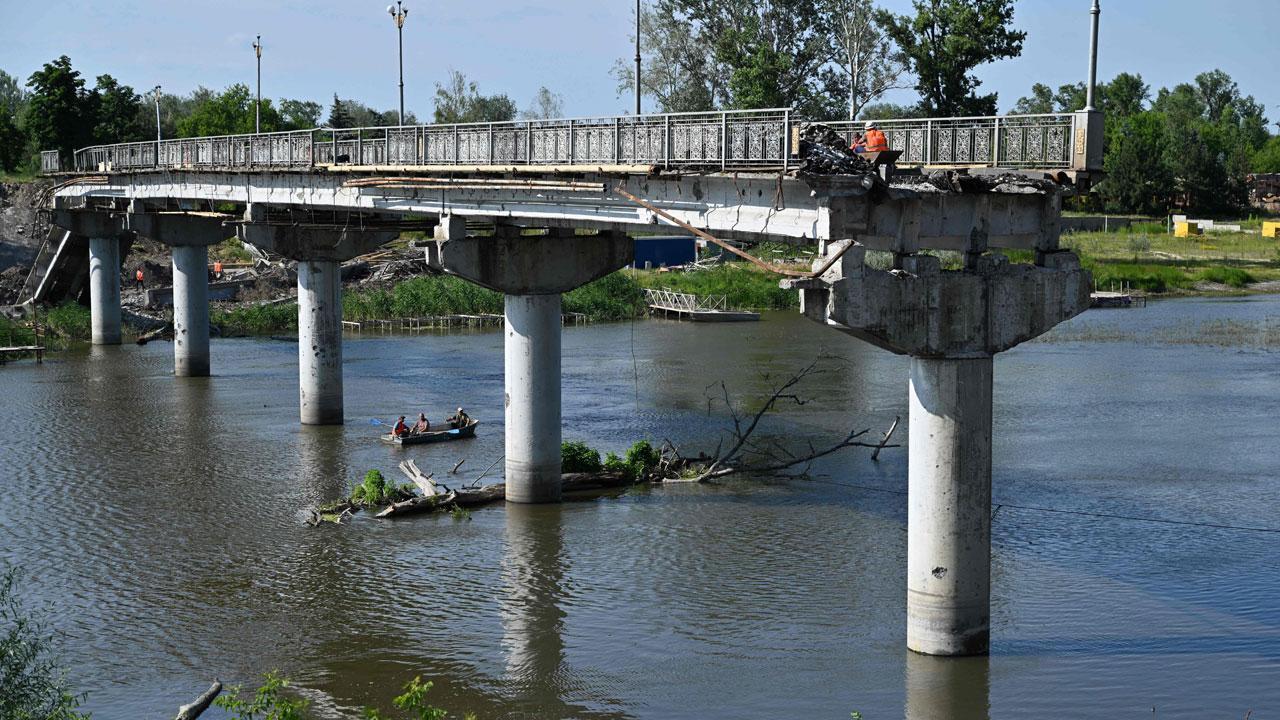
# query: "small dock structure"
{"points": [[685, 306]]}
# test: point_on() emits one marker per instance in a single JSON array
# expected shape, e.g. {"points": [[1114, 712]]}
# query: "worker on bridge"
{"points": [[875, 139]]}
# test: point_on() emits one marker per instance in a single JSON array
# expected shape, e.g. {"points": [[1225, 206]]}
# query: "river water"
{"points": [[161, 524]]}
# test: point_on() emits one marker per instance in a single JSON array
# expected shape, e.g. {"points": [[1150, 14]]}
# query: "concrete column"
{"points": [[190, 310], [533, 397], [104, 289], [320, 342], [949, 507]]}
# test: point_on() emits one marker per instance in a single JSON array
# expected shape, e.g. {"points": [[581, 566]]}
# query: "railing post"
{"points": [[724, 140], [528, 144], [457, 147], [311, 148], [490, 143], [666, 141], [995, 144], [572, 140], [617, 140], [359, 147], [421, 137], [786, 139], [928, 143]]}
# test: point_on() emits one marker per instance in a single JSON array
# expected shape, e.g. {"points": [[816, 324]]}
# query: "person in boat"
{"points": [[423, 425], [400, 429], [459, 419]]}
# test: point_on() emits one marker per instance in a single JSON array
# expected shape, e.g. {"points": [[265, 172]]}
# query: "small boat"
{"points": [[432, 436]]}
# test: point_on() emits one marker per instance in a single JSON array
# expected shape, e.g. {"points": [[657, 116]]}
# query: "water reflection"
{"points": [[532, 619], [948, 688]]}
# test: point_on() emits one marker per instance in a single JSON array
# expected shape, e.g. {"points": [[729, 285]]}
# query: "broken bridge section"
{"points": [[951, 322]]}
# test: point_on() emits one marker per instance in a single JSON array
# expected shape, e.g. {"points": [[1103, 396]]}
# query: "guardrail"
{"points": [[740, 139], [50, 161], [1011, 141]]}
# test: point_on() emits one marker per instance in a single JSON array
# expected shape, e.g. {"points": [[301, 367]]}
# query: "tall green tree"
{"points": [[1267, 160], [1125, 95], [945, 41], [546, 105], [679, 71], [55, 117], [864, 62], [1139, 178], [299, 114], [459, 101], [230, 112], [13, 142], [116, 110]]}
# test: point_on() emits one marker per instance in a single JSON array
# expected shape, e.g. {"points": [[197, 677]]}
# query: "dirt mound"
{"points": [[11, 280]]}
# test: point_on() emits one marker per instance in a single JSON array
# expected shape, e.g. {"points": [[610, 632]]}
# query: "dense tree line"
{"points": [[1188, 146], [55, 109]]}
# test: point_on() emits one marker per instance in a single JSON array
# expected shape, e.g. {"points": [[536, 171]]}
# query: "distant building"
{"points": [[665, 251], [1264, 191]]}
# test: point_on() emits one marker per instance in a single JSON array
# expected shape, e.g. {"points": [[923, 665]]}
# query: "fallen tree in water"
{"points": [[739, 451]]}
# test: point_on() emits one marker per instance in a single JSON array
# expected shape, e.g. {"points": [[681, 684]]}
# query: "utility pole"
{"points": [[156, 96], [398, 13], [1093, 58], [637, 57], [257, 111]]}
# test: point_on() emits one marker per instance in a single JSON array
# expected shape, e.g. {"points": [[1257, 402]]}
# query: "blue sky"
{"points": [[316, 48]]}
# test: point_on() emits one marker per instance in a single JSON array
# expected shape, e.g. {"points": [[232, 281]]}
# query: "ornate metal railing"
{"points": [[50, 161], [1011, 141], [726, 140]]}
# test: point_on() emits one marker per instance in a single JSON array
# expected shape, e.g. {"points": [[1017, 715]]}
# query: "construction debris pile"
{"points": [[959, 181], [823, 151]]}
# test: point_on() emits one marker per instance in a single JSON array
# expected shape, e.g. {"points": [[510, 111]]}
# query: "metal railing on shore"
{"points": [[739, 139]]}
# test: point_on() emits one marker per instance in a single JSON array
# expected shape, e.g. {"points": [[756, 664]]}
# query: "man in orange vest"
{"points": [[217, 269], [875, 140], [138, 276]]}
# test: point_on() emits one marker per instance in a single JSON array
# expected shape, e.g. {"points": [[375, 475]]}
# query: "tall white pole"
{"points": [[1093, 58], [257, 112]]}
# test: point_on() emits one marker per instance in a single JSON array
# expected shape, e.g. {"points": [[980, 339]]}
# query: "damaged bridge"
{"points": [[562, 198]]}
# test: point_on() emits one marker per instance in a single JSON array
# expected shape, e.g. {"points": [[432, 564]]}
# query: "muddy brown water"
{"points": [[160, 520]]}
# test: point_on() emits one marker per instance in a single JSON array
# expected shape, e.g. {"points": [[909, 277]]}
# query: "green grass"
{"points": [[744, 286], [617, 296], [14, 334], [1235, 277], [1157, 262], [255, 320], [69, 320]]}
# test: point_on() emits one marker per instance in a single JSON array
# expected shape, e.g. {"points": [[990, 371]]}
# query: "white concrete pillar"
{"points": [[104, 289], [949, 507], [533, 397], [320, 342], [190, 310]]}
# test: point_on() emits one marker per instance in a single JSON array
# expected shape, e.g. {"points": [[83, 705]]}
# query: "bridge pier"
{"points": [[104, 290], [951, 323], [532, 271], [189, 235], [319, 249], [107, 233], [320, 342], [949, 506]]}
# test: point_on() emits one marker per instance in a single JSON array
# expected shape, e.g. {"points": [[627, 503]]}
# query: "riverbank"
{"points": [[1158, 263], [618, 296]]}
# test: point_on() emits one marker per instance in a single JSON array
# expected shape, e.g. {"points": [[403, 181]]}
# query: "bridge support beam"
{"points": [[532, 271], [189, 234], [104, 290], [951, 323], [319, 250]]}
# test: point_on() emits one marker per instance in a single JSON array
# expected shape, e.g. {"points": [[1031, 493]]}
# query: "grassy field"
{"points": [[1157, 262]]}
